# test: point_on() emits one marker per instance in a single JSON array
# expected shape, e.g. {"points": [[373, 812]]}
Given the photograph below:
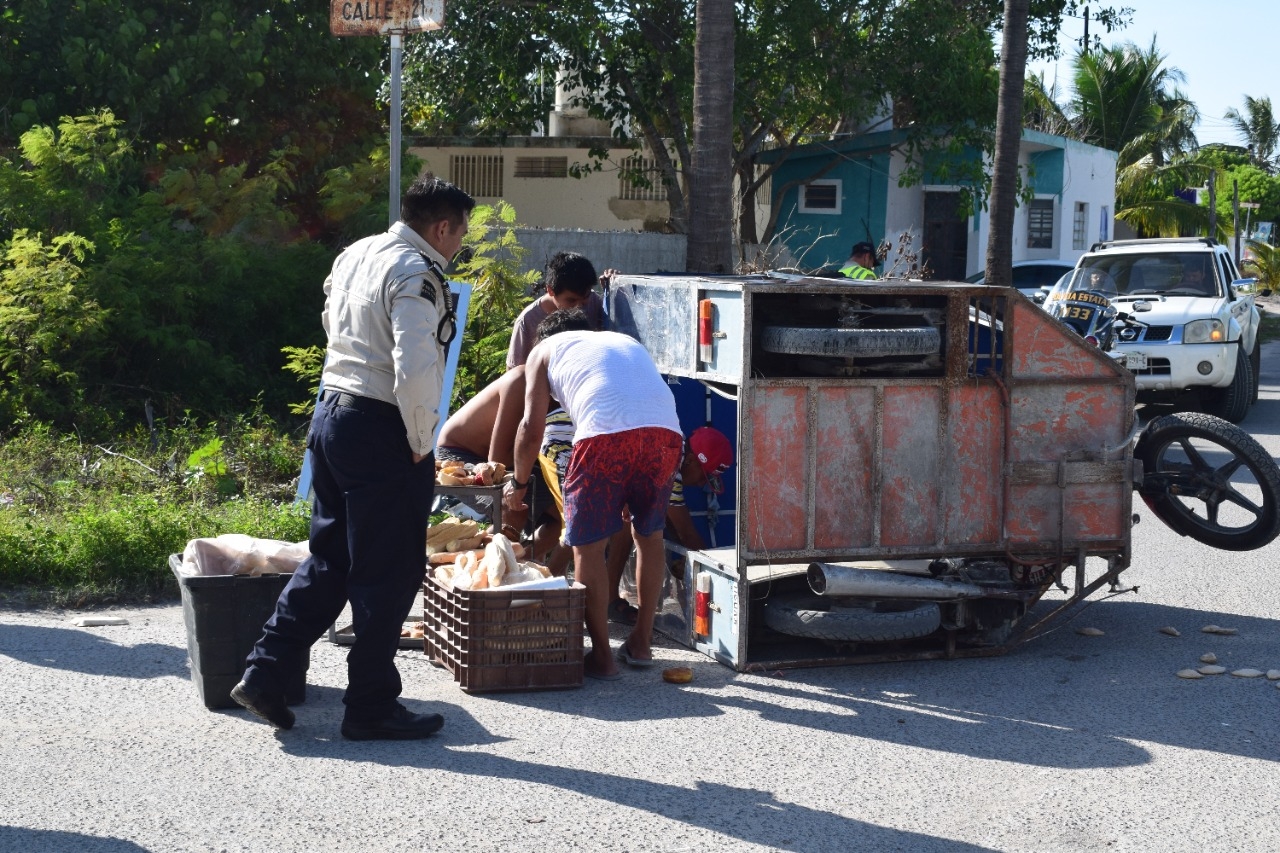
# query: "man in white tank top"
{"points": [[627, 447]]}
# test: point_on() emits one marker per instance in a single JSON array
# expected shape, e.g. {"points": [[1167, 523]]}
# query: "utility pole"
{"points": [[1084, 48], [1235, 215], [1213, 204]]}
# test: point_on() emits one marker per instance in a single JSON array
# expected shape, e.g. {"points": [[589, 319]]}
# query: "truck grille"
{"points": [[1158, 333]]}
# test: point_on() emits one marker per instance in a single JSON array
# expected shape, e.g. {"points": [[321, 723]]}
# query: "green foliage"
{"points": [[1256, 186], [306, 363], [1259, 131], [103, 519], [46, 318], [499, 294], [193, 286], [217, 78], [1126, 98], [1263, 264]]}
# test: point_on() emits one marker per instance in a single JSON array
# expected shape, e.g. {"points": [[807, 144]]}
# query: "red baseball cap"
{"points": [[715, 455]]}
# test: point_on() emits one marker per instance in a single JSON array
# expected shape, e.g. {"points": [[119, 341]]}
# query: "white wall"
{"points": [[625, 251], [1089, 176], [591, 201]]}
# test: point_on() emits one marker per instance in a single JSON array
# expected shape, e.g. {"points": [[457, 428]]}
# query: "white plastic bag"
{"points": [[239, 554]]}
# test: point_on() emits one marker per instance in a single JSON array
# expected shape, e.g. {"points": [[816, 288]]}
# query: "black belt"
{"points": [[365, 405]]}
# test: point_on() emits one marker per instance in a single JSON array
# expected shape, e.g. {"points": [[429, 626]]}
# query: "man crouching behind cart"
{"points": [[389, 318], [627, 447]]}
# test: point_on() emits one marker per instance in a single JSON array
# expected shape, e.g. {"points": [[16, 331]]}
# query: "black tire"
{"points": [[1255, 362], [1232, 403], [1229, 503], [833, 619], [851, 343]]}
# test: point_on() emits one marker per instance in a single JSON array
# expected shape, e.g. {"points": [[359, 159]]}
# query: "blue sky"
{"points": [[1226, 48]]}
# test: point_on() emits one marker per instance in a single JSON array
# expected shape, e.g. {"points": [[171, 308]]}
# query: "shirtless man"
{"points": [[471, 434]]}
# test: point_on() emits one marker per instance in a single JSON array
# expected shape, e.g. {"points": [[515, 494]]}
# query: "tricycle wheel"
{"points": [[1210, 480], [839, 621]]}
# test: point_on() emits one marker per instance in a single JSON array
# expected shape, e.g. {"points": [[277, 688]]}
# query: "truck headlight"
{"points": [[1204, 332]]}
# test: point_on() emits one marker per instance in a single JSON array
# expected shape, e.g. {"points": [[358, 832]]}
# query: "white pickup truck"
{"points": [[1193, 327]]}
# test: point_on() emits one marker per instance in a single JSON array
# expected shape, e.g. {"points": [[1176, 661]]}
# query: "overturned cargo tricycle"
{"points": [[917, 465]]}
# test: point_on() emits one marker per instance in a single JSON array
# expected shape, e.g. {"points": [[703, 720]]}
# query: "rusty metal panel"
{"points": [[384, 17], [1043, 347], [773, 505], [910, 465], [1050, 420], [974, 498], [1093, 513], [846, 500]]}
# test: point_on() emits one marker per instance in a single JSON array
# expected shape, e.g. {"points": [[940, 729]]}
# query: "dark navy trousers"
{"points": [[368, 546]]}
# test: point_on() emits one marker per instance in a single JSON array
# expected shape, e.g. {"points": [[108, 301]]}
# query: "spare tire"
{"points": [[851, 343], [820, 618]]}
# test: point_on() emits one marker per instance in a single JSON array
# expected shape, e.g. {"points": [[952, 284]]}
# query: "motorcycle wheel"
{"points": [[833, 619], [1210, 480], [851, 343]]}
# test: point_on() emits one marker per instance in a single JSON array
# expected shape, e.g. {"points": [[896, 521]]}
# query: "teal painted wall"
{"points": [[1047, 171], [819, 239]]}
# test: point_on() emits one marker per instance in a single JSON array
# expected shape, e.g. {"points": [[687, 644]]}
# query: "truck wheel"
{"points": [[834, 619], [1232, 403], [851, 343], [1255, 362], [1210, 480]]}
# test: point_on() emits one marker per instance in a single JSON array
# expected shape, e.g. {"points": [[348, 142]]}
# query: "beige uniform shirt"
{"points": [[384, 299]]}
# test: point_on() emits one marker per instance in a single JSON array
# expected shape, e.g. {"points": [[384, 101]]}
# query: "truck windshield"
{"points": [[1168, 274]]}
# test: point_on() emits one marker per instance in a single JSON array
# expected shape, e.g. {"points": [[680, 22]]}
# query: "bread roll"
{"points": [[678, 675], [505, 551]]}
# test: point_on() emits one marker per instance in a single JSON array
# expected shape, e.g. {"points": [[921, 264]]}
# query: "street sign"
{"points": [[384, 17]]}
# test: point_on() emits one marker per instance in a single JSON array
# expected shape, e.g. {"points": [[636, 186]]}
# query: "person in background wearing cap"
{"points": [[708, 454], [626, 451], [862, 263]]}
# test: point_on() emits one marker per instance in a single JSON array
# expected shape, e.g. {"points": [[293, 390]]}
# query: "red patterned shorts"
{"points": [[632, 469]]}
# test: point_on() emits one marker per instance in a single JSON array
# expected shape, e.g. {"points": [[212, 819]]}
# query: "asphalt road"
{"points": [[1069, 743]]}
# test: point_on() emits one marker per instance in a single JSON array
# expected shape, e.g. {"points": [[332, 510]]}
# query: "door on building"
{"points": [[946, 243]]}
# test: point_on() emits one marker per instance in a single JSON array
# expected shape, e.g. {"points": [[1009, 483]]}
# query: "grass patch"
{"points": [[1269, 329], [83, 525]]}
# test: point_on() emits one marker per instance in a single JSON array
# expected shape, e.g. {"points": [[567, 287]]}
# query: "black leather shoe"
{"points": [[403, 724], [263, 705]]}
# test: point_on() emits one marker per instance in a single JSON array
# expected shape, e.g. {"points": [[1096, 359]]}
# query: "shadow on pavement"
{"points": [[752, 815], [79, 650], [34, 840]]}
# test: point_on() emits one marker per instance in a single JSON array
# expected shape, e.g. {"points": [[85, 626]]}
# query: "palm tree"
{"points": [[1125, 98], [711, 208], [1259, 130], [1263, 264], [1009, 111]]}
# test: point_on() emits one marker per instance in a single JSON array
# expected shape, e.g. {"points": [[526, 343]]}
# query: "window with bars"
{"points": [[1079, 225], [1040, 224], [542, 167], [480, 175], [820, 197], [647, 169]]}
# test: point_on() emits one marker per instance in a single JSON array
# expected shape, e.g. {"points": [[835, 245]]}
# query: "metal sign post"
{"points": [[391, 18]]}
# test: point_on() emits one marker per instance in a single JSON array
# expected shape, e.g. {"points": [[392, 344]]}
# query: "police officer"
{"points": [[861, 263], [388, 317]]}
